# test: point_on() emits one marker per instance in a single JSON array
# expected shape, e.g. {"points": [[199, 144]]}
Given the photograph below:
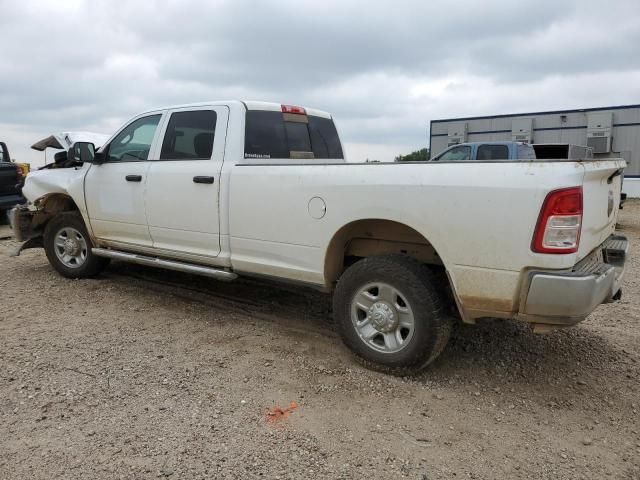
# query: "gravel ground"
{"points": [[150, 374]]}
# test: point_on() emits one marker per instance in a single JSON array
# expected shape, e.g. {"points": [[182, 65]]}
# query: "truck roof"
{"points": [[246, 104]]}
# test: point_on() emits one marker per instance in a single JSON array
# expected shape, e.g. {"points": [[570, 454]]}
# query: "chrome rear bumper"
{"points": [[566, 298]]}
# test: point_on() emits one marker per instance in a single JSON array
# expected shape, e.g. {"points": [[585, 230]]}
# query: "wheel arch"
{"points": [[374, 236], [53, 203], [31, 223]]}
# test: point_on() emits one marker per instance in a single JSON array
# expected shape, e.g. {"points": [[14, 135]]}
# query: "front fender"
{"points": [[66, 181]]}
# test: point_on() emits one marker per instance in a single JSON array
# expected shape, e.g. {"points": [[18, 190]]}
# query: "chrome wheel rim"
{"points": [[382, 317], [70, 247]]}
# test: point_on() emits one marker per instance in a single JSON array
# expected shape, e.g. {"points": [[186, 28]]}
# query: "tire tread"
{"points": [[420, 283], [92, 266]]}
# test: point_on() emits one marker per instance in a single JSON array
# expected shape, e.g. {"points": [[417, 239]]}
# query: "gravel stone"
{"points": [[141, 373]]}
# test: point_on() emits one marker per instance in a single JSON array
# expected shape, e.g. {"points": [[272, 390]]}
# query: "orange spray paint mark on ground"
{"points": [[276, 414]]}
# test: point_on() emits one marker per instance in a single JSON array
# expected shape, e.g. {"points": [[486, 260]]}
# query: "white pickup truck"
{"points": [[250, 188]]}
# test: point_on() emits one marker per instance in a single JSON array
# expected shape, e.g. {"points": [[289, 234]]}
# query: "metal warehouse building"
{"points": [[610, 131]]}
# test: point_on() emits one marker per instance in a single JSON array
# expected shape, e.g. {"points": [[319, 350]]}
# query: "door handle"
{"points": [[199, 179], [134, 178]]}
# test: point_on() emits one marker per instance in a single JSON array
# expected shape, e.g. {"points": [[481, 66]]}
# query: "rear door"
{"points": [[601, 198], [182, 197]]}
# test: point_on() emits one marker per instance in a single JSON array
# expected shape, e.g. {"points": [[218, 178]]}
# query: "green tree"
{"points": [[421, 155]]}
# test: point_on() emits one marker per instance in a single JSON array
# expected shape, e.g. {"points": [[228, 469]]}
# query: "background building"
{"points": [[610, 131]]}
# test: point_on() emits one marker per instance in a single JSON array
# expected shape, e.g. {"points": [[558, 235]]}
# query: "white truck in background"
{"points": [[251, 188]]}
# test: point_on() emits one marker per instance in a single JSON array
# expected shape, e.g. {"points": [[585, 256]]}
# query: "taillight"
{"points": [[19, 176], [293, 109], [560, 222]]}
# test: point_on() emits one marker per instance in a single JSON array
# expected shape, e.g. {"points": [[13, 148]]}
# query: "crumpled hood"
{"points": [[65, 140]]}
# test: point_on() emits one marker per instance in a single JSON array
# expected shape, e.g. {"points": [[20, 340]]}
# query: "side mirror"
{"points": [[83, 152], [99, 158]]}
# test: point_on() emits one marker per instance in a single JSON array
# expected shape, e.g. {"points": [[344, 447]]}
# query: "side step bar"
{"points": [[167, 264]]}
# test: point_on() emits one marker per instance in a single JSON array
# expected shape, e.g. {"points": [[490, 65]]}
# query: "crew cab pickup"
{"points": [[487, 151], [235, 188]]}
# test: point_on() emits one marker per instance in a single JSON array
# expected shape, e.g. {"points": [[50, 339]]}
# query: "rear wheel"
{"points": [[68, 247], [390, 314]]}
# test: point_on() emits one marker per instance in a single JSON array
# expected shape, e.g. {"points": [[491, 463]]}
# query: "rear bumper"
{"points": [[566, 298]]}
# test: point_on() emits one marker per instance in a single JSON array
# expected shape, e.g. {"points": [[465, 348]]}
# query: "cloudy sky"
{"points": [[384, 69]]}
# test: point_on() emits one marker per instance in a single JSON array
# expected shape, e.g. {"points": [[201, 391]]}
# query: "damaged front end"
{"points": [[52, 189], [29, 221], [48, 193], [28, 227]]}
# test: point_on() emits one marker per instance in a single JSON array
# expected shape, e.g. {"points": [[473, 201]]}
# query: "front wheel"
{"points": [[68, 247], [389, 312]]}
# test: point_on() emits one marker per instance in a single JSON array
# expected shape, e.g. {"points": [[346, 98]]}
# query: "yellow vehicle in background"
{"points": [[25, 167]]}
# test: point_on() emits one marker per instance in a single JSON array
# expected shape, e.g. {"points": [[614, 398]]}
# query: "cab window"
{"points": [[493, 152], [272, 134], [189, 136], [456, 154], [134, 142]]}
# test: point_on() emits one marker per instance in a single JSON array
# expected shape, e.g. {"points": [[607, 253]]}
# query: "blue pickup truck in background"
{"points": [[496, 151], [486, 151]]}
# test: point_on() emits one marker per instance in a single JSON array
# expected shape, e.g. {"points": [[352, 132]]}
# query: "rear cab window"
{"points": [[271, 134]]}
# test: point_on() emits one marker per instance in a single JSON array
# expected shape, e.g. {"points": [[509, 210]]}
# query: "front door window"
{"points": [[134, 142]]}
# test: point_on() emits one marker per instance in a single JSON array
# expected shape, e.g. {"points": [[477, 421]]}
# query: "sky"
{"points": [[383, 69]]}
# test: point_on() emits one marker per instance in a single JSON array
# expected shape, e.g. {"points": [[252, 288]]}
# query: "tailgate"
{"points": [[8, 178], [601, 197]]}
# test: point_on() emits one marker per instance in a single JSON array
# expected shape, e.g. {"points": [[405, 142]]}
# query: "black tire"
{"points": [[92, 264], [419, 288]]}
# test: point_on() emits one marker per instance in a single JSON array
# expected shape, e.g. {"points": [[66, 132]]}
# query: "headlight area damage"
{"points": [[25, 227], [28, 223], [51, 189]]}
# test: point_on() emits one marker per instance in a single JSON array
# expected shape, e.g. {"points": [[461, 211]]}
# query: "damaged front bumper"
{"points": [[21, 220], [26, 228]]}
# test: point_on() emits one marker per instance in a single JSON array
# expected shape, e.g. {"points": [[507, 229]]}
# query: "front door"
{"points": [[183, 187], [115, 189]]}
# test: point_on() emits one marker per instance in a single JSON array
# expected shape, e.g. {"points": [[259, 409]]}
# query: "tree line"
{"points": [[421, 155]]}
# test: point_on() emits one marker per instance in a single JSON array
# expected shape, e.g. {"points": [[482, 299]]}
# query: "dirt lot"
{"points": [[145, 374]]}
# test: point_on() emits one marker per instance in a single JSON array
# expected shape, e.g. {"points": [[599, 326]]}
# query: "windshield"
{"points": [[461, 153]]}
